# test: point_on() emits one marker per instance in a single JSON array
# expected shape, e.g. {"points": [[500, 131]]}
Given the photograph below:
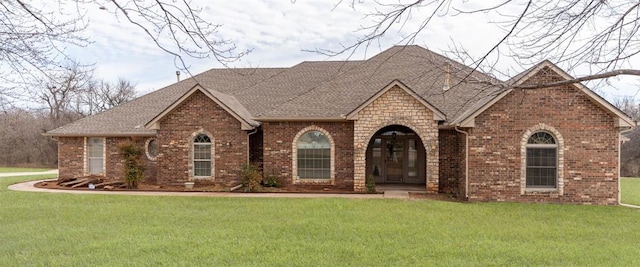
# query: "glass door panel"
{"points": [[377, 160], [412, 158], [395, 160]]}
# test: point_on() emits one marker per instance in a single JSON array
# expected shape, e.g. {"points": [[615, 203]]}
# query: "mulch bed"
{"points": [[83, 184]]}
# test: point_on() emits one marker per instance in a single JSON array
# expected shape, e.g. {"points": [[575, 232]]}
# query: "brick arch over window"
{"points": [[192, 143], [294, 158], [523, 155]]}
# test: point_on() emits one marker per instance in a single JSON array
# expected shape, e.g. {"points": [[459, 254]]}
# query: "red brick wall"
{"points": [[115, 163], [590, 145], [70, 157], [278, 141], [452, 162], [200, 113]]}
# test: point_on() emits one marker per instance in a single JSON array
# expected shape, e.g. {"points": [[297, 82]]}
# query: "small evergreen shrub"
{"points": [[251, 178], [271, 181], [370, 185], [133, 169]]}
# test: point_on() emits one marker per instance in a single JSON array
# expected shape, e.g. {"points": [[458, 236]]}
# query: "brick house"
{"points": [[406, 115]]}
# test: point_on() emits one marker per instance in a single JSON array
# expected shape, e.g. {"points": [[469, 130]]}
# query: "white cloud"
{"points": [[278, 31]]}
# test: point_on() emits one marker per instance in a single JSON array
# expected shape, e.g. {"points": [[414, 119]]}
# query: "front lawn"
{"points": [[112, 230], [630, 190]]}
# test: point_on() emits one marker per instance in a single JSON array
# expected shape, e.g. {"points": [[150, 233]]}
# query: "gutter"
{"points": [[99, 135], [279, 119], [466, 162]]}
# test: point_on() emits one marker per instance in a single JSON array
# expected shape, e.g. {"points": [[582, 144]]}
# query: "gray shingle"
{"points": [[328, 89]]}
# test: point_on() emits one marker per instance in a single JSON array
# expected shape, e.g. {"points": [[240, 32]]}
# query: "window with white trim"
{"points": [[542, 161], [95, 155], [313, 156], [202, 155]]}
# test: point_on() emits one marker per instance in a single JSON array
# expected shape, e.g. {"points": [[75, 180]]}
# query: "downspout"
{"points": [[238, 186], [249, 143], [620, 163], [466, 161]]}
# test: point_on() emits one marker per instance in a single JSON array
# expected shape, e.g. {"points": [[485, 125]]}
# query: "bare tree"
{"points": [[74, 93], [30, 43], [34, 35], [630, 148], [602, 35], [20, 139], [628, 105], [67, 96], [60, 93], [102, 95]]}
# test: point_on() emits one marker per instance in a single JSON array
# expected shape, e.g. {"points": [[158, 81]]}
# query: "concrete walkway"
{"points": [[396, 194], [29, 187], [9, 174], [629, 206]]}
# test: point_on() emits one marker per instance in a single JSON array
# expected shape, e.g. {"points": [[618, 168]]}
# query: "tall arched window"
{"points": [[313, 156], [202, 156], [542, 161]]}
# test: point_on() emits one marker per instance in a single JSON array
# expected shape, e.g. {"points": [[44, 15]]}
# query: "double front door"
{"points": [[396, 159]]}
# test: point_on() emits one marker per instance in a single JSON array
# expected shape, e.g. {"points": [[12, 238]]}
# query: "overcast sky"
{"points": [[278, 32]]}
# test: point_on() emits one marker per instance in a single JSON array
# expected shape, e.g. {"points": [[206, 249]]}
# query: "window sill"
{"points": [[533, 190], [314, 181], [202, 177]]}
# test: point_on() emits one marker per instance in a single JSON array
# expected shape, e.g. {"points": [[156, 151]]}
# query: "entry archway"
{"points": [[396, 155]]}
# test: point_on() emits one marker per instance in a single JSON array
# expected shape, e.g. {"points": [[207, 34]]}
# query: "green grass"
{"points": [[113, 230], [630, 190], [19, 169]]}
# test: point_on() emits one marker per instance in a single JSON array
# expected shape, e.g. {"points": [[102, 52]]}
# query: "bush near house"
{"points": [[133, 166]]}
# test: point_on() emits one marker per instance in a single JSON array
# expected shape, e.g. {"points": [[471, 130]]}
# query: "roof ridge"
{"points": [[318, 85]]}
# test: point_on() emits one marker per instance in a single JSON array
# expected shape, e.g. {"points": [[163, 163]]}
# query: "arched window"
{"points": [[313, 156], [202, 156], [542, 161]]}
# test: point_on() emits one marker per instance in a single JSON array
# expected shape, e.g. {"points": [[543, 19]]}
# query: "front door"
{"points": [[396, 158]]}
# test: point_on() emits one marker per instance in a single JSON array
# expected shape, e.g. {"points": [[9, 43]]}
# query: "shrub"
{"points": [[251, 178], [370, 184], [271, 181], [133, 169]]}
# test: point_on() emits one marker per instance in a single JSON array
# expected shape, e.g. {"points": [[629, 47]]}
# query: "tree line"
{"points": [[72, 95], [630, 149]]}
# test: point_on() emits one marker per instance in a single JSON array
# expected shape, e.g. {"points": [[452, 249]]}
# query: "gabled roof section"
{"points": [[437, 114], [623, 119], [468, 119], [352, 83], [227, 102], [129, 118]]}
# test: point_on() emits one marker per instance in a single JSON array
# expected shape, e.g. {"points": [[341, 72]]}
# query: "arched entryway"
{"points": [[396, 155]]}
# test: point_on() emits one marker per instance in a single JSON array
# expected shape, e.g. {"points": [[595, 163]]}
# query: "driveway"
{"points": [[8, 174]]}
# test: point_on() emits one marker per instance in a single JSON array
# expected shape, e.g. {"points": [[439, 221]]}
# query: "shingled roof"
{"points": [[326, 90]]}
